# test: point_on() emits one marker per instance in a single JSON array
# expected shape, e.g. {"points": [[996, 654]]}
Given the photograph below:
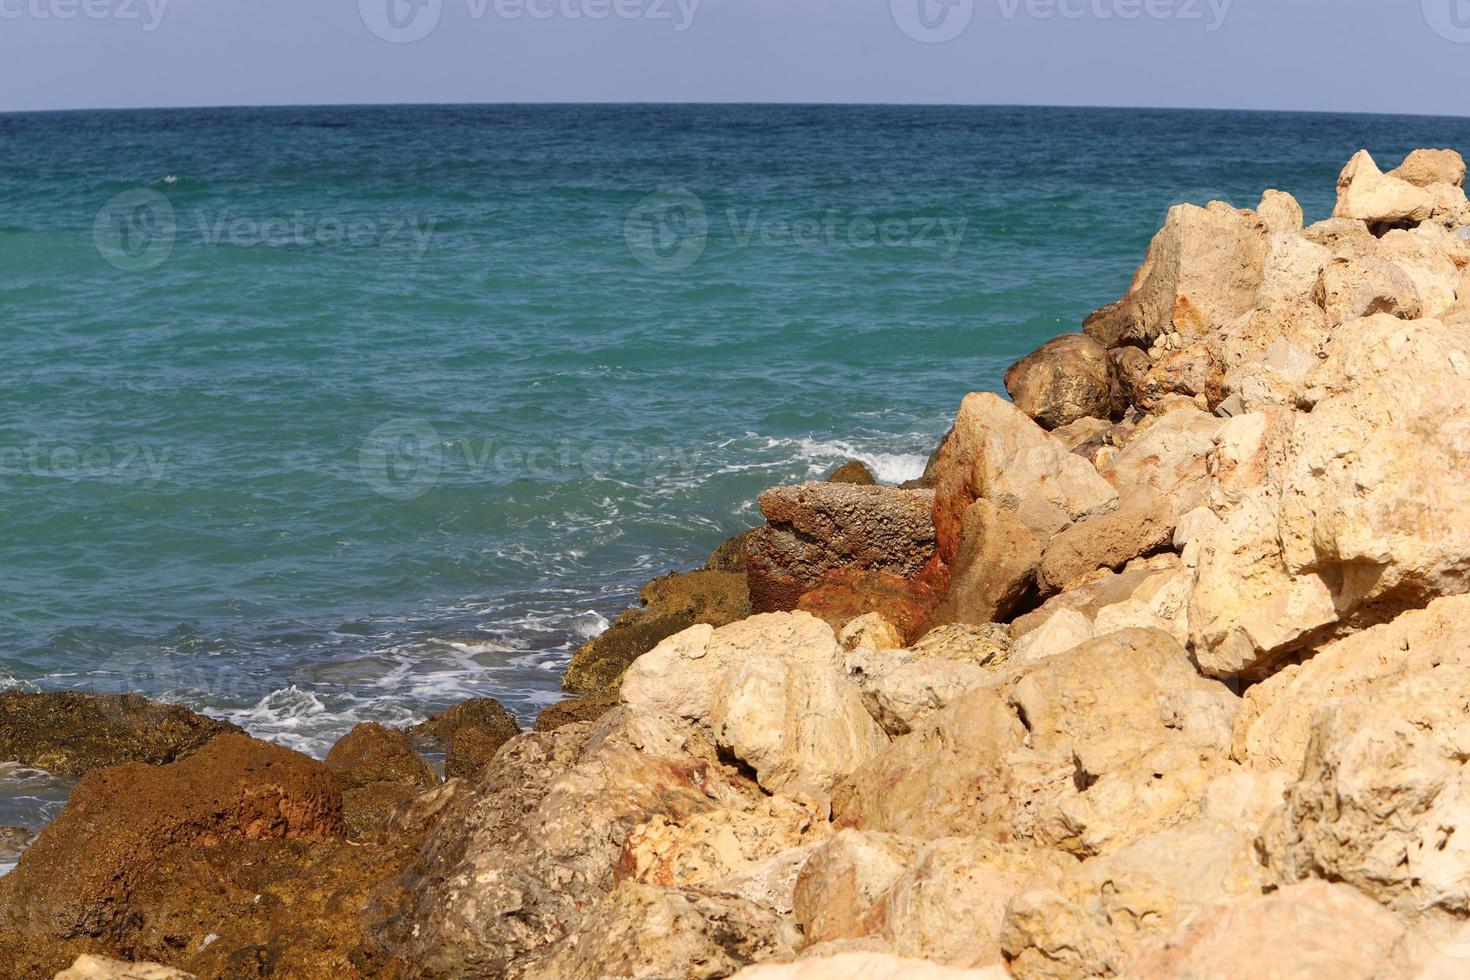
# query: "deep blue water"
{"points": [[314, 416]]}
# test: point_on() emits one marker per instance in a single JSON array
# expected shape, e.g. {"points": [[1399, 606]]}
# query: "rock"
{"points": [[986, 645], [14, 840], [818, 528], [1067, 379], [996, 453], [1142, 525], [510, 868], [866, 966], [1280, 213], [643, 931], [1275, 720], [1202, 271], [1381, 796], [848, 594], [1244, 798], [371, 754], [1170, 459], [1145, 584], [1361, 286], [1314, 929], [670, 605], [855, 473], [1094, 922], [79, 876], [731, 555], [1366, 193], [901, 689], [377, 769], [844, 878], [573, 710], [1192, 372], [1016, 764], [870, 632], [1082, 432], [994, 572], [1425, 168], [950, 906], [472, 732], [71, 733], [793, 719], [1293, 268], [89, 967], [1058, 633]]}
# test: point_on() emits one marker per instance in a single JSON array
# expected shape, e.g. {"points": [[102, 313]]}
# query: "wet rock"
{"points": [[71, 733], [731, 555], [13, 840], [819, 528], [855, 473], [1067, 379], [377, 769], [670, 605], [471, 732], [573, 710], [79, 877]]}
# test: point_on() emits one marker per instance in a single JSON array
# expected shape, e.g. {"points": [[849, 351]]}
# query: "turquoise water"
{"points": [[315, 416]]}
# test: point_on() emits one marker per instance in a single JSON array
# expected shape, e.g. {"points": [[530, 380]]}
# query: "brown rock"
{"points": [[71, 733], [1191, 371], [731, 556], [1141, 526], [79, 876], [573, 710], [848, 594], [1067, 379], [995, 570], [670, 605], [818, 528], [1425, 168], [855, 473], [371, 754]]}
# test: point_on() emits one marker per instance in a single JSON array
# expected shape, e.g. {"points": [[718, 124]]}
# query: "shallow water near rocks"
{"points": [[415, 398]]}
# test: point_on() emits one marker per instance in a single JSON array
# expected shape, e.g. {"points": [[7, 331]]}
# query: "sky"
{"points": [[1395, 56]]}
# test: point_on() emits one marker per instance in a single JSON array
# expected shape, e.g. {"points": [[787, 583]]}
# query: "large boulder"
{"points": [[994, 452], [669, 605], [1425, 168], [1381, 796], [511, 869], [1313, 929], [1066, 379], [1203, 270], [377, 769], [69, 733], [470, 732], [994, 573], [1083, 751], [1094, 922], [78, 878], [818, 528], [1366, 193], [1276, 715]]}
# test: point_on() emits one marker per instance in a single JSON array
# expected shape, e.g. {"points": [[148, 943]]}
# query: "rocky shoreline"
{"points": [[1160, 671]]}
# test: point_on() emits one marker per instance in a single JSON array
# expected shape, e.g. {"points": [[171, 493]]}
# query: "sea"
{"points": [[317, 416]]}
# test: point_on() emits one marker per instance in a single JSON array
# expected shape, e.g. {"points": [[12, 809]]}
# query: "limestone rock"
{"points": [[511, 868], [471, 732], [817, 528], [1275, 720], [1140, 526], [904, 692], [1313, 929], [1202, 270], [994, 452], [1280, 212], [1058, 633], [78, 877], [1095, 921], [1170, 459], [995, 569], [89, 967], [1151, 592], [1361, 286], [866, 966], [1067, 379], [1192, 372], [870, 632], [985, 645], [844, 878], [1425, 168], [1366, 193], [71, 733], [643, 931], [1381, 798], [669, 605], [731, 555]]}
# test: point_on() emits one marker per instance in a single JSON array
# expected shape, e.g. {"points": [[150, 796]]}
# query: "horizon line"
{"points": [[716, 103]]}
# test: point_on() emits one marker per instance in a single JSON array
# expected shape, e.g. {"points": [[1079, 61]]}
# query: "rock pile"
{"points": [[1164, 673]]}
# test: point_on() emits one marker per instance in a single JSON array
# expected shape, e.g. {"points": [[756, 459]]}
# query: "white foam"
{"points": [[887, 467]]}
